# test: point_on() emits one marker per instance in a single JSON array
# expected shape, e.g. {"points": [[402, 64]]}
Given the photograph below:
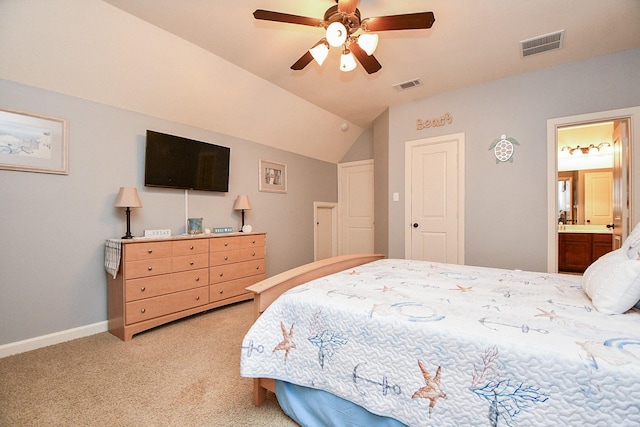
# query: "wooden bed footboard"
{"points": [[268, 290]]}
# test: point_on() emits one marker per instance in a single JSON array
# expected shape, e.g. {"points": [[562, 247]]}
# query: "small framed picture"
{"points": [[33, 143], [273, 177]]}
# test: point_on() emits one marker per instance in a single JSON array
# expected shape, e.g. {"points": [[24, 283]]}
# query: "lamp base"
{"points": [[128, 235]]}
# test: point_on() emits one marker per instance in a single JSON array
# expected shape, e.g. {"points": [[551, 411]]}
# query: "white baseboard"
{"points": [[51, 339]]}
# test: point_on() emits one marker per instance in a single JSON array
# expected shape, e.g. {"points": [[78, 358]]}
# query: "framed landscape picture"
{"points": [[33, 143]]}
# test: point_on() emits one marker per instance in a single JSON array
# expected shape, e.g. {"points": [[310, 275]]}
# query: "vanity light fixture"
{"points": [[590, 149], [128, 198]]}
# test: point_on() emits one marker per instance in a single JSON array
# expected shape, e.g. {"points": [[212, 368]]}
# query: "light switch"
{"points": [[396, 197]]}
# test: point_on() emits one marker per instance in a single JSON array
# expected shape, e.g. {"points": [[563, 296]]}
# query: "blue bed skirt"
{"points": [[316, 408]]}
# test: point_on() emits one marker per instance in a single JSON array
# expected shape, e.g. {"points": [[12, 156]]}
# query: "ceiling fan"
{"points": [[342, 24]]}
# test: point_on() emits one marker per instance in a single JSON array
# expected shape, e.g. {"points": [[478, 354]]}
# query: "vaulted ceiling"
{"points": [[471, 42]]}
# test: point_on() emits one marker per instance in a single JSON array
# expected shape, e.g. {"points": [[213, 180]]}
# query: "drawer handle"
{"points": [[226, 244], [150, 251], [197, 279], [221, 274], [258, 268], [198, 298], [191, 263], [253, 241], [191, 247], [149, 268], [253, 254], [143, 310], [226, 258], [220, 292], [142, 289]]}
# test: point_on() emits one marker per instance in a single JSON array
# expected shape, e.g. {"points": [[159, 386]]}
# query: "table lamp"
{"points": [[128, 198], [242, 204]]}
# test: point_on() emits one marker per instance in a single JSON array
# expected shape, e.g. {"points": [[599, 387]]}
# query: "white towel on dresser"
{"points": [[112, 250]]}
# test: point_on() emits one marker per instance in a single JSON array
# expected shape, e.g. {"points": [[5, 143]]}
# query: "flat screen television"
{"points": [[177, 162]]}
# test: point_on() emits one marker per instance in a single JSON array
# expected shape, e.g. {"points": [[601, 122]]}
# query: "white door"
{"points": [[620, 223], [355, 198], [325, 234], [434, 202], [598, 195]]}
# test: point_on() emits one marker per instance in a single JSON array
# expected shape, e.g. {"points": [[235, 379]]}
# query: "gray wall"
{"points": [[381, 182], [53, 226], [362, 148], [506, 204]]}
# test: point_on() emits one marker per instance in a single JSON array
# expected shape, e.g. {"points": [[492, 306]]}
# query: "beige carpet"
{"points": [[183, 374]]}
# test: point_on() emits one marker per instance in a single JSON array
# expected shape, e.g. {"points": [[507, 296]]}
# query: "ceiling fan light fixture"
{"points": [[336, 34], [347, 61], [368, 42], [320, 52]]}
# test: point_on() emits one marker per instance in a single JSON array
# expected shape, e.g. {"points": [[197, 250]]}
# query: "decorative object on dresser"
{"points": [[194, 226], [128, 198], [161, 280], [242, 204]]}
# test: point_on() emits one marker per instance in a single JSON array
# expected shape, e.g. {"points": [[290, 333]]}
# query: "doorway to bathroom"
{"points": [[589, 195]]}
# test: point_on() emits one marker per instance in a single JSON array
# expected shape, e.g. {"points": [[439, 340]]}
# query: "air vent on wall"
{"points": [[407, 85], [542, 43]]}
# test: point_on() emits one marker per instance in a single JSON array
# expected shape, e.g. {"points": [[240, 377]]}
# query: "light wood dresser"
{"points": [[165, 279]]}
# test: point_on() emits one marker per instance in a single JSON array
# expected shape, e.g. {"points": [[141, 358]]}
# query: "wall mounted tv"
{"points": [[176, 162]]}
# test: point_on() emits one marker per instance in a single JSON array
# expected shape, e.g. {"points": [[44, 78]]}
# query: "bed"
{"points": [[421, 343]]}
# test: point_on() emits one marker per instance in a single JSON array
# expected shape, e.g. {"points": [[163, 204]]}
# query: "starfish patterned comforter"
{"points": [[448, 345]]}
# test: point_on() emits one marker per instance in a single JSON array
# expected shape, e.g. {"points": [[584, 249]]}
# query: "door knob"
{"points": [[415, 225], [611, 226]]}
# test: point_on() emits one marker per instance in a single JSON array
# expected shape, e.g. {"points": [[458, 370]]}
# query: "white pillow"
{"points": [[613, 282], [631, 245]]}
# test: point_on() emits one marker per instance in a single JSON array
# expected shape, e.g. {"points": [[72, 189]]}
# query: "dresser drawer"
{"points": [[188, 247], [232, 288], [224, 257], [147, 250], [252, 240], [151, 267], [236, 255], [218, 244], [223, 273], [148, 287], [145, 309], [189, 262]]}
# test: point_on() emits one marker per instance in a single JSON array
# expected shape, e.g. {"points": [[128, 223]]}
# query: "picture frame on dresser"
{"points": [[33, 142], [273, 177]]}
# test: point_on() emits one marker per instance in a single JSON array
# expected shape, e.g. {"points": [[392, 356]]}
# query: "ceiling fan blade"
{"points": [[410, 21], [267, 15], [369, 62], [303, 61], [347, 6]]}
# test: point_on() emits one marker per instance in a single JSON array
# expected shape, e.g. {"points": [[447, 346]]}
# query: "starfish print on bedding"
{"points": [[287, 343], [463, 289], [550, 314], [432, 390]]}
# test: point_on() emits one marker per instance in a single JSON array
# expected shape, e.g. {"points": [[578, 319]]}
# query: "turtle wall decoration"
{"points": [[503, 148]]}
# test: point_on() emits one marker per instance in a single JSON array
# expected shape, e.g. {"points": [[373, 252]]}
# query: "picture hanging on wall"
{"points": [[273, 177], [33, 143]]}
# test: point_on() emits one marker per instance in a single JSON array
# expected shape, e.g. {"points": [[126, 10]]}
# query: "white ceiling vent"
{"points": [[407, 85], [543, 43]]}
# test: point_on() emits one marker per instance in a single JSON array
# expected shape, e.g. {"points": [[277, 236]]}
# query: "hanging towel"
{"points": [[112, 250]]}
